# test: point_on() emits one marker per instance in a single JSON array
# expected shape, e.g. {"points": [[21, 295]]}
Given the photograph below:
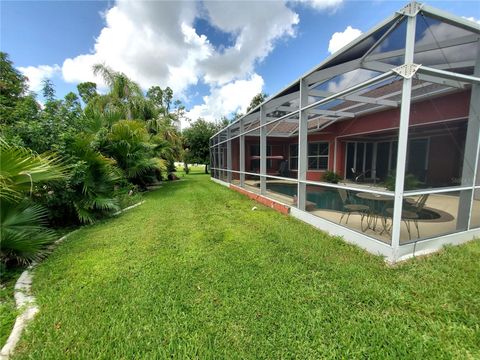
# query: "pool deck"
{"points": [[444, 205]]}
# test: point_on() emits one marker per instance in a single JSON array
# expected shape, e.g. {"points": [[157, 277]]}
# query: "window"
{"points": [[293, 157], [255, 163], [318, 156]]}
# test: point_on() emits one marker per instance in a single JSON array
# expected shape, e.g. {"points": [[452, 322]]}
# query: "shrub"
{"points": [[22, 232], [411, 182], [331, 177]]}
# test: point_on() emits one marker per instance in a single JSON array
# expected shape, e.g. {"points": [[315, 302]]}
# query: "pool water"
{"points": [[323, 198], [326, 198]]}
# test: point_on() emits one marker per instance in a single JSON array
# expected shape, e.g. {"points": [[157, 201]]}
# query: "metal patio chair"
{"points": [[349, 208], [411, 212]]}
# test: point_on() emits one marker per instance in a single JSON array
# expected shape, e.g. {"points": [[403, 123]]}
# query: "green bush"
{"points": [[23, 233], [411, 182], [331, 177], [118, 140]]}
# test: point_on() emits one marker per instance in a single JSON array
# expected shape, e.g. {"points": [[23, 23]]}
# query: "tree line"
{"points": [[80, 158]]}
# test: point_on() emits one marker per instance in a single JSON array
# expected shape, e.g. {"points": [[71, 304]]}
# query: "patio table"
{"points": [[373, 215]]}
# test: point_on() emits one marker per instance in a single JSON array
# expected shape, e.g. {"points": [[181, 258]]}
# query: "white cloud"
{"points": [[340, 39], [156, 43], [36, 74], [471, 18], [322, 4], [149, 41], [226, 99], [257, 26], [349, 79]]}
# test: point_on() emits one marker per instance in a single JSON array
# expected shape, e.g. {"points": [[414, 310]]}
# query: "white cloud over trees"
{"points": [[156, 43], [36, 74]]}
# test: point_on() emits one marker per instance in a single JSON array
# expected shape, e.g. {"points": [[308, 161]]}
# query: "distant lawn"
{"points": [[195, 273]]}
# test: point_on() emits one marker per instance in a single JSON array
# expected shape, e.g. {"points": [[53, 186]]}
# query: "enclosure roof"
{"points": [[442, 41]]}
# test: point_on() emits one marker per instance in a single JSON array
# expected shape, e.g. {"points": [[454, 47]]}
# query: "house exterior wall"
{"points": [[444, 149]]}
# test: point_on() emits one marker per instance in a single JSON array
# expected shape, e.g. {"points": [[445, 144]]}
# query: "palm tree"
{"points": [[94, 179], [125, 95], [21, 168], [129, 143], [168, 141], [23, 234]]}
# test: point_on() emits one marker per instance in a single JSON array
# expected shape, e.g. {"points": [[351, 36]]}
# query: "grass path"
{"points": [[194, 273]]}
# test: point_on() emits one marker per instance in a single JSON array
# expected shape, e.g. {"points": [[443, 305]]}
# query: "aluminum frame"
{"points": [[306, 87]]}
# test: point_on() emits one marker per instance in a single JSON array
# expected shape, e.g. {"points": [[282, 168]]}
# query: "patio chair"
{"points": [[356, 174], [349, 208], [411, 213]]}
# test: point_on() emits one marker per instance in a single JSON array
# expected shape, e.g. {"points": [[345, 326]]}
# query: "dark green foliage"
{"points": [[93, 181], [257, 100], [21, 170], [331, 177], [196, 141], [48, 90], [23, 235], [23, 232], [13, 86], [162, 98], [128, 142], [410, 182], [87, 91], [121, 139]]}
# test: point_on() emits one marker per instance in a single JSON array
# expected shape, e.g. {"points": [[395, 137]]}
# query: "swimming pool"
{"points": [[323, 198], [329, 199]]}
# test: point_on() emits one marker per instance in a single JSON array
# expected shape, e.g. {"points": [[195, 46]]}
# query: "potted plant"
{"points": [[331, 177]]}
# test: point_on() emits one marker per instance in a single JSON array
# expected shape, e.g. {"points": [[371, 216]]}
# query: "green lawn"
{"points": [[195, 273], [8, 311]]}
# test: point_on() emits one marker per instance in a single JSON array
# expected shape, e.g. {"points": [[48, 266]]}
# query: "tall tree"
{"points": [[257, 100], [13, 87], [197, 141], [124, 95], [87, 91], [48, 90]]}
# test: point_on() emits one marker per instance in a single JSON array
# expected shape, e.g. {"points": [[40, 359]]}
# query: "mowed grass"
{"points": [[8, 311], [194, 273]]}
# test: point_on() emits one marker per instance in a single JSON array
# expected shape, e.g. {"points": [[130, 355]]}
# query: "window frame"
{"points": [[318, 156], [290, 157]]}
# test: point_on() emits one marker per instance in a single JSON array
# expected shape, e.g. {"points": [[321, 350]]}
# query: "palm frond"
{"points": [[23, 235], [20, 169]]}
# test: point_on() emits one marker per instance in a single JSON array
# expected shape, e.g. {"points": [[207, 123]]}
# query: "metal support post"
{"points": [[242, 153], [302, 146], [263, 151], [403, 138], [229, 156]]}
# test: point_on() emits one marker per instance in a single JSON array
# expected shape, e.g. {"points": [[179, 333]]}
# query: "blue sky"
{"points": [[215, 55]]}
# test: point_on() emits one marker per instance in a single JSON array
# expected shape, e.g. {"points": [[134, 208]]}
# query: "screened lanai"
{"points": [[378, 144]]}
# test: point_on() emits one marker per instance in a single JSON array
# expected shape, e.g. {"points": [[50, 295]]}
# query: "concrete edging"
{"points": [[25, 301]]}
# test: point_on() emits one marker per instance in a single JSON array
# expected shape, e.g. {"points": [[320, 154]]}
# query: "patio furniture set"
{"points": [[377, 211]]}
